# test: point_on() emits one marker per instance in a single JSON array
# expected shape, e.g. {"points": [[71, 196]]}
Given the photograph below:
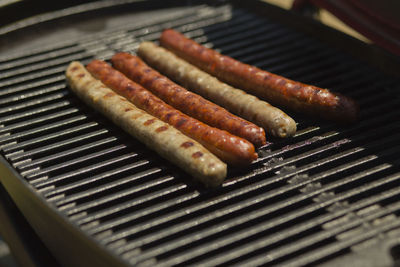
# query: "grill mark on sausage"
{"points": [[186, 101], [161, 129], [181, 122], [272, 119], [109, 94], [197, 154], [274, 88], [229, 148], [136, 116], [187, 144], [148, 122], [89, 90]]}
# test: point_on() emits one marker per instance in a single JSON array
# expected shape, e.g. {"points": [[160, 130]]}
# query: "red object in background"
{"points": [[379, 21]]}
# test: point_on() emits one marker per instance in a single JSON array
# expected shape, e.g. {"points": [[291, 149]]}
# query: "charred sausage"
{"points": [[272, 119], [274, 88], [186, 101], [193, 158], [229, 148]]}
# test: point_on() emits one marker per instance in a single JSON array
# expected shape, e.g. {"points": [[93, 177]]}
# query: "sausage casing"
{"points": [[274, 88], [229, 148], [186, 101], [272, 119], [207, 168]]}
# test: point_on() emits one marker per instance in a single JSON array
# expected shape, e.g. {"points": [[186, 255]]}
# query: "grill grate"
{"points": [[307, 199]]}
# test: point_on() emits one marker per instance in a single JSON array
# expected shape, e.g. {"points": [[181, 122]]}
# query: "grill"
{"points": [[329, 195]]}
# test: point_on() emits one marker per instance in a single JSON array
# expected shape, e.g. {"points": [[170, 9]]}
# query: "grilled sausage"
{"points": [[272, 119], [274, 88], [186, 101], [229, 148], [183, 151]]}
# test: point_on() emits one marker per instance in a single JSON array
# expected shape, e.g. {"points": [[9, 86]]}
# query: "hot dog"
{"points": [[186, 101], [274, 88], [229, 148], [194, 159], [272, 119]]}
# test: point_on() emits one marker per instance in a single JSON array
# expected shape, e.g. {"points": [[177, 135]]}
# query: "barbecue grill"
{"points": [[96, 197]]}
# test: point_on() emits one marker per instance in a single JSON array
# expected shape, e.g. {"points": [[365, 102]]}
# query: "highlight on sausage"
{"points": [[276, 89], [272, 119], [187, 102], [157, 135], [229, 148]]}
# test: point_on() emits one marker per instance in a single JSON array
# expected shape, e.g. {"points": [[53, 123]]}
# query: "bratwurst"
{"points": [[157, 135], [276, 89], [272, 119], [229, 148], [186, 101]]}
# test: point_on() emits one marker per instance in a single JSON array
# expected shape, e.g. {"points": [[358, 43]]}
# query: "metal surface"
{"points": [[324, 195], [26, 247]]}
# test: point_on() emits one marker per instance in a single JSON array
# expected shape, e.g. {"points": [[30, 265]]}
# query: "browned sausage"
{"points": [[186, 101], [274, 88], [273, 120], [229, 148], [183, 151]]}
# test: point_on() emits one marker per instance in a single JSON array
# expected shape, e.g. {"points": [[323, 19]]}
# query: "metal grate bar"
{"points": [[32, 122], [5, 59], [63, 189], [33, 85], [14, 145], [265, 241], [244, 218], [150, 186], [44, 91], [44, 65], [68, 175], [274, 255], [64, 51], [67, 164], [73, 151], [129, 179], [269, 240], [87, 222], [34, 112], [169, 246], [35, 102], [238, 205], [352, 152], [18, 155], [54, 48], [32, 77]]}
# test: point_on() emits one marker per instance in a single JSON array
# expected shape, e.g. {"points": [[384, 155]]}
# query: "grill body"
{"points": [[329, 195]]}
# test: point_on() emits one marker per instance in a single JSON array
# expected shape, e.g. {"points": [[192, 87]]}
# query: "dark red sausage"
{"points": [[229, 148], [274, 88], [186, 101]]}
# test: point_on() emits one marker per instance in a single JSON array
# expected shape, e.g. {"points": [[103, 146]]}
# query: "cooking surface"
{"points": [[309, 199]]}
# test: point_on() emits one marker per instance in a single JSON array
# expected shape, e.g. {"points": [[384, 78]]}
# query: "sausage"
{"points": [[276, 89], [272, 119], [186, 101], [193, 158], [229, 148]]}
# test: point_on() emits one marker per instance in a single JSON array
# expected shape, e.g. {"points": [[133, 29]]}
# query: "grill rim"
{"points": [[30, 202], [54, 226]]}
